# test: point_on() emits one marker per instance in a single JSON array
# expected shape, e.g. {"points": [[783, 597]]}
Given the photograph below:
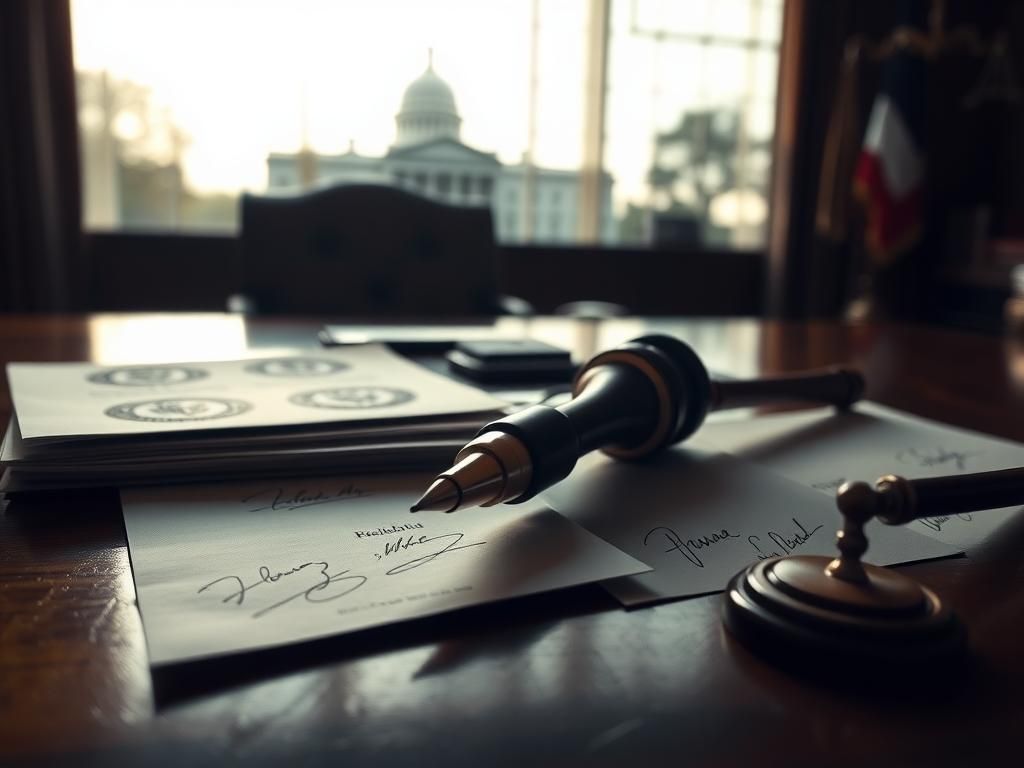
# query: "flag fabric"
{"points": [[889, 179]]}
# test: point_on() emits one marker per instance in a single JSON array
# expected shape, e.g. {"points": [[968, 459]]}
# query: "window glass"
{"points": [[690, 119], [183, 105]]}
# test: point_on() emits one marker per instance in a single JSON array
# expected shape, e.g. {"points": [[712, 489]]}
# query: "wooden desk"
{"points": [[562, 679]]}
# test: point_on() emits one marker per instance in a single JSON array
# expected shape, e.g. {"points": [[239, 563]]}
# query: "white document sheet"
{"points": [[227, 568], [698, 517], [823, 449]]}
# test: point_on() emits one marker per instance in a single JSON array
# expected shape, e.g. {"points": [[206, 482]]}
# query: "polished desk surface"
{"points": [[561, 679]]}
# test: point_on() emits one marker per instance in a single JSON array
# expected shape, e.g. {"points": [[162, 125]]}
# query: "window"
{"points": [[171, 134]]}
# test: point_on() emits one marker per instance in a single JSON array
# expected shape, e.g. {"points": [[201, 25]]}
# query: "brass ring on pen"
{"points": [[512, 458], [665, 409]]}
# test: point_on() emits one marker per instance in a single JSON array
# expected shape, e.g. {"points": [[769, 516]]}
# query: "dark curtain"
{"points": [[817, 263], [802, 283], [40, 197]]}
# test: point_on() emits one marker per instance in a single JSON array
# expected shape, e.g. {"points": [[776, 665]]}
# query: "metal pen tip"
{"points": [[443, 495]]}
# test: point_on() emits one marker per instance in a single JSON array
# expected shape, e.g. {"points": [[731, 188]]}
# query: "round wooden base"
{"points": [[790, 609]]}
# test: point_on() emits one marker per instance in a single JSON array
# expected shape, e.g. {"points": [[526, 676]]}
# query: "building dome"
{"points": [[428, 111], [429, 93]]}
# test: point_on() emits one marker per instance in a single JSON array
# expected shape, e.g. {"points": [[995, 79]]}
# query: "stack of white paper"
{"points": [[355, 409]]}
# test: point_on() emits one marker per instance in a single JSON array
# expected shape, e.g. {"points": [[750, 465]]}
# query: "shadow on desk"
{"points": [[55, 522], [458, 638]]}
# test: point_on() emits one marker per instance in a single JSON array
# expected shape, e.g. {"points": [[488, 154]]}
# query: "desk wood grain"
{"points": [[560, 679]]}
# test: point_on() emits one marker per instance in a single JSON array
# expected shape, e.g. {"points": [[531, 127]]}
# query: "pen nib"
{"points": [[443, 495]]}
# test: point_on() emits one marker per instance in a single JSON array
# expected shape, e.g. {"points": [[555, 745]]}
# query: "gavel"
{"points": [[844, 610], [630, 401]]}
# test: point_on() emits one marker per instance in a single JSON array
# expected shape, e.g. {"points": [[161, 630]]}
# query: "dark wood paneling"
{"points": [[157, 272], [151, 271], [973, 163], [645, 281]]}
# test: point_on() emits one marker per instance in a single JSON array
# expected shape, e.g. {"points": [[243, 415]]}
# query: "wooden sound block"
{"points": [[792, 608]]}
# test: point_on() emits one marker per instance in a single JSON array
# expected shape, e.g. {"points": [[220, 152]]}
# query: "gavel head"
{"points": [[679, 379]]}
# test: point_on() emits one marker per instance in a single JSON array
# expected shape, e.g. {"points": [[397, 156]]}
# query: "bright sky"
{"points": [[238, 76]]}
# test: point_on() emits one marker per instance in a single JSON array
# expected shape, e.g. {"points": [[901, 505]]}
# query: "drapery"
{"points": [[40, 198]]}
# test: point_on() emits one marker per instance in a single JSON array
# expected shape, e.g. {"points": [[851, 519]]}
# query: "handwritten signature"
{"points": [[276, 499], [784, 543], [935, 457], [405, 543], [829, 485], [690, 547], [327, 585], [936, 523], [312, 594]]}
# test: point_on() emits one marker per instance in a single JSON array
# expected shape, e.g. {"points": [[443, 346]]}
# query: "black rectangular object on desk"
{"points": [[510, 360], [410, 339]]}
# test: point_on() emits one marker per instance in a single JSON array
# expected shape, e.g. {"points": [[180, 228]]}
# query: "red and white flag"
{"points": [[890, 173]]}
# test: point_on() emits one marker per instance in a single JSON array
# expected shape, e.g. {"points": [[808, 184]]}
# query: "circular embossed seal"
{"points": [[147, 375], [353, 397], [296, 367], [179, 409]]}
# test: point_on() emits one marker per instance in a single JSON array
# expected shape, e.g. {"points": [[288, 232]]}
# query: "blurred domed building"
{"points": [[428, 111], [430, 159]]}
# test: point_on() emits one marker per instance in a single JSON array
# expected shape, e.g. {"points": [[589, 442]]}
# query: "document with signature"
{"points": [[697, 517], [823, 449], [228, 568]]}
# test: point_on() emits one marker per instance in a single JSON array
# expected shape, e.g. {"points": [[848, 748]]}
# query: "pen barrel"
{"points": [[904, 500], [840, 387], [618, 404], [672, 379], [550, 441]]}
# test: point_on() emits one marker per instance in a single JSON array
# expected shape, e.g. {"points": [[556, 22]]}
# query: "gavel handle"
{"points": [[901, 500], [836, 386]]}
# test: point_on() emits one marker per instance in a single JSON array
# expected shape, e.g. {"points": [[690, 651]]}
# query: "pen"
{"points": [[630, 401]]}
